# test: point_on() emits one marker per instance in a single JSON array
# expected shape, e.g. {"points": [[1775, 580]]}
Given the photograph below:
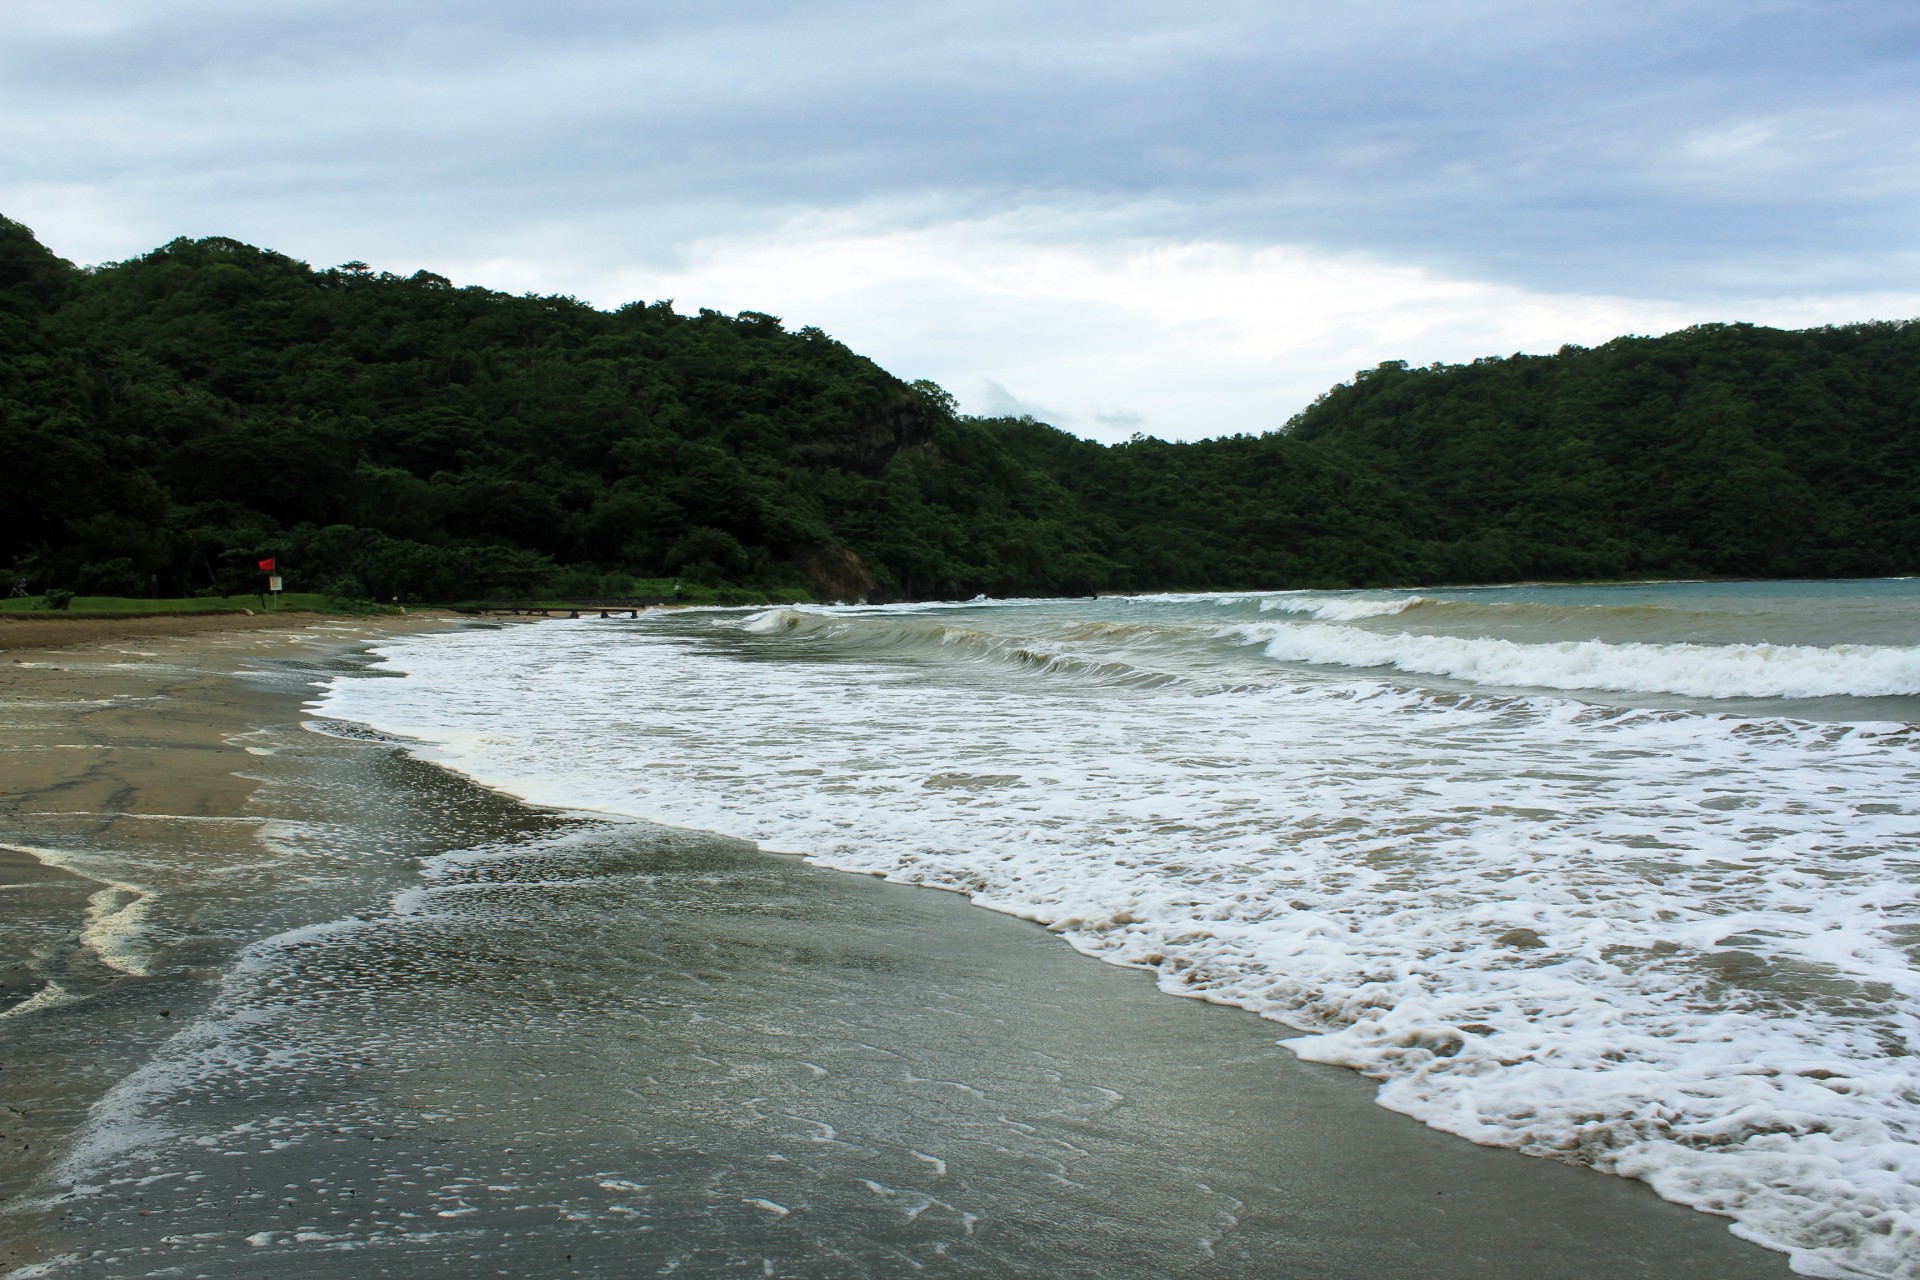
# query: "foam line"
{"points": [[1692, 670], [1664, 943], [116, 913]]}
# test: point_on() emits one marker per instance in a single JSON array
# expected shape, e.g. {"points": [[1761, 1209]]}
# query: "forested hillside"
{"points": [[167, 421]]}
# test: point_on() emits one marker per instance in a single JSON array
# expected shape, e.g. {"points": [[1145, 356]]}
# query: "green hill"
{"points": [[169, 420]]}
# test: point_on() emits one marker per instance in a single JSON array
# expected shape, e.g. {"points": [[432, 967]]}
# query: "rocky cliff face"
{"points": [[837, 574]]}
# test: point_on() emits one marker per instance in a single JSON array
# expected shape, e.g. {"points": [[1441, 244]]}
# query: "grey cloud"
{"points": [[1545, 144]]}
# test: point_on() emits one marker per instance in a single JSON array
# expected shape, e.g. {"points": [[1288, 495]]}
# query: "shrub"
{"points": [[109, 578]]}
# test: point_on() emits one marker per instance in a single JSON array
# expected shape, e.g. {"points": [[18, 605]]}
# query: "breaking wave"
{"points": [[1691, 670], [1671, 945]]}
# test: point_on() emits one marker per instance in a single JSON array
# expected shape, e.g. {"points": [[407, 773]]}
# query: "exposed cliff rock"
{"points": [[837, 574]]}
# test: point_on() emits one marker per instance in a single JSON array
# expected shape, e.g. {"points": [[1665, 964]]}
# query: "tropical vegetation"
{"points": [[170, 421]]}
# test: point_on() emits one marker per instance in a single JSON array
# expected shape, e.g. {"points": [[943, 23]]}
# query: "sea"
{"points": [[1621, 878]]}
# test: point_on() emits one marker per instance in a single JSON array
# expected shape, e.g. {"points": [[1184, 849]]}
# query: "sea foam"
{"points": [[1667, 944], [1692, 670], [1343, 608]]}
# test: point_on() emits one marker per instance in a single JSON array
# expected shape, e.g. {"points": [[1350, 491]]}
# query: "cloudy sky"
{"points": [[1179, 218]]}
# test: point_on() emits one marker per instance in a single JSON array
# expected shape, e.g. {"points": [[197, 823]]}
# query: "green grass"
{"points": [[288, 602], [313, 602]]}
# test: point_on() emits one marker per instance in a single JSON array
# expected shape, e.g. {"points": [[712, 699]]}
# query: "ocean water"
{"points": [[418, 1027], [1622, 876]]}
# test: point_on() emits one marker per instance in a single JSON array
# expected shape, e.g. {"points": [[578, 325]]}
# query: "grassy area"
{"points": [[312, 602], [288, 602]]}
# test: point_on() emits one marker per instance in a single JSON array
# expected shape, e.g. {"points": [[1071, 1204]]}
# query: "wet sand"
{"points": [[21, 633], [121, 762], [583, 1047]]}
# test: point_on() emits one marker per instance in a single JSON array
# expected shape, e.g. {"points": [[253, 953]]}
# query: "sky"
{"points": [[1123, 216]]}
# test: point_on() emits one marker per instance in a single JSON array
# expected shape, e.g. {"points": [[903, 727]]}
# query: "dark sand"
{"points": [[24, 632], [603, 1048], [119, 765]]}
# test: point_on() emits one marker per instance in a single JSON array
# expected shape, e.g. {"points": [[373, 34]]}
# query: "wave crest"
{"points": [[1690, 670], [1341, 608], [879, 633]]}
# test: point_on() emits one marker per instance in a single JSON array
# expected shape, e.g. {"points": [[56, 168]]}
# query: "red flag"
{"points": [[266, 566]]}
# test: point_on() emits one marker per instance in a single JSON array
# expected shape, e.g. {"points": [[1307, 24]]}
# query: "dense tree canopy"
{"points": [[168, 419]]}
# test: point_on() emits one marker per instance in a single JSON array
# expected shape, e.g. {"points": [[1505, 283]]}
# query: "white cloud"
{"points": [[1747, 144], [1104, 337], [1118, 214]]}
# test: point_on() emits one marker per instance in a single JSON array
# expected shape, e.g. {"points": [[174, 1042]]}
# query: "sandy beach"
{"points": [[122, 748], [162, 815]]}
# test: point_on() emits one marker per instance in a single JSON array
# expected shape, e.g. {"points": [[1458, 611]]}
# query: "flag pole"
{"points": [[269, 567]]}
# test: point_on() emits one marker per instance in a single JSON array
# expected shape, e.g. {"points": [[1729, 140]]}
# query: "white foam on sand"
{"points": [[117, 912], [1669, 945], [50, 996], [128, 1117]]}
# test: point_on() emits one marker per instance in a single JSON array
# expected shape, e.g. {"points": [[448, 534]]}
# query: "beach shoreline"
{"points": [[123, 745], [123, 732], [24, 633]]}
